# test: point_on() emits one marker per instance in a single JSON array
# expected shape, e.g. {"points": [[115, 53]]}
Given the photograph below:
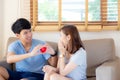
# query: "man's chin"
{"points": [[29, 41]]}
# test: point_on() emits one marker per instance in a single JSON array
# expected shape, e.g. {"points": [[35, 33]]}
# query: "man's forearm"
{"points": [[16, 58]]}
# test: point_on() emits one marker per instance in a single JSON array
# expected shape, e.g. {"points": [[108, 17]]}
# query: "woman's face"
{"points": [[64, 38]]}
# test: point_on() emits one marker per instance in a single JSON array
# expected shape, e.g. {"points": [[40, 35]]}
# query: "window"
{"points": [[94, 10], [73, 10], [87, 15], [47, 10], [112, 9]]}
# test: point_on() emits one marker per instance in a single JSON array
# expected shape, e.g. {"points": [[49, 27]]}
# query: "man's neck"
{"points": [[27, 46]]}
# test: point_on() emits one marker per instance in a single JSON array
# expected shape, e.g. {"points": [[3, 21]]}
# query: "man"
{"points": [[27, 54]]}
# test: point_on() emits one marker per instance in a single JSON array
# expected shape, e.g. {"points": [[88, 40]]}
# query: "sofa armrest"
{"points": [[108, 71], [4, 63]]}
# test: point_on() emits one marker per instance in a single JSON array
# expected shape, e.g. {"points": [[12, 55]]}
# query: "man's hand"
{"points": [[35, 50], [50, 50]]}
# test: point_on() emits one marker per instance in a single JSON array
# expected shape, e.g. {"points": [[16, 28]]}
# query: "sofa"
{"points": [[102, 64]]}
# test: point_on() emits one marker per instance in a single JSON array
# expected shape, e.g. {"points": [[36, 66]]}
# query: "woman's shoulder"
{"points": [[80, 51], [79, 57]]}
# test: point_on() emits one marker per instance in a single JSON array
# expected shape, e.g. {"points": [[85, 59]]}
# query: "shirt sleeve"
{"points": [[12, 48], [47, 56], [79, 58]]}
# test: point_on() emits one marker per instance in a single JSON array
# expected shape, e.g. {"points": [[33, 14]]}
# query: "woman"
{"points": [[72, 59]]}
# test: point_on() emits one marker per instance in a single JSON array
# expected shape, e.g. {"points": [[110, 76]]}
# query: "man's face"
{"points": [[25, 36]]}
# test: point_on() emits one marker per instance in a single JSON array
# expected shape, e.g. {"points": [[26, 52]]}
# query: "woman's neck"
{"points": [[68, 55]]}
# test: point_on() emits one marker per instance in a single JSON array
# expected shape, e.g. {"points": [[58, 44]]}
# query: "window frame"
{"points": [[82, 26]]}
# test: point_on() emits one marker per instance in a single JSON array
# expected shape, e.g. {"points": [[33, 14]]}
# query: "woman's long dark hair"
{"points": [[75, 41]]}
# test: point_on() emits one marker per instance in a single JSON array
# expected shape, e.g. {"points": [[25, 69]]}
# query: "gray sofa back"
{"points": [[99, 51]]}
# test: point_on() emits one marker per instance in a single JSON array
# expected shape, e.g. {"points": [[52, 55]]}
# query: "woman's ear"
{"points": [[68, 37]]}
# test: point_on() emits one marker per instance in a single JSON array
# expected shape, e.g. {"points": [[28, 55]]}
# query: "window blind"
{"points": [[25, 9], [109, 12], [108, 17]]}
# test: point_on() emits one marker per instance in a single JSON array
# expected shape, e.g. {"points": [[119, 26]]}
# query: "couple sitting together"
{"points": [[36, 60]]}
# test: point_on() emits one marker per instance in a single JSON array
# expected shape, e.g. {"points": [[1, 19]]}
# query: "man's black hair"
{"points": [[20, 24]]}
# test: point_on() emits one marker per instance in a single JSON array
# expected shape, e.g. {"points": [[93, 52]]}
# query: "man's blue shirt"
{"points": [[32, 64]]}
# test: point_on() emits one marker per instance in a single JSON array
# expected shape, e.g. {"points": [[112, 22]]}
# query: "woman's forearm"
{"points": [[61, 64]]}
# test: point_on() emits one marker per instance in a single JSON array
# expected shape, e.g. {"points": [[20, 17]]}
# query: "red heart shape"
{"points": [[43, 49]]}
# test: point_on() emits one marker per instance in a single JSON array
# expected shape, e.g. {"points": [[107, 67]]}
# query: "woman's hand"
{"points": [[49, 69], [61, 47]]}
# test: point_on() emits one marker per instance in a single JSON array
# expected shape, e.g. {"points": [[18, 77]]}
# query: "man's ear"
{"points": [[17, 35]]}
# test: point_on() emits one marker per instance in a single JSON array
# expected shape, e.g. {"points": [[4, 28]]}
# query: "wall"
{"points": [[12, 11], [1, 25], [11, 8]]}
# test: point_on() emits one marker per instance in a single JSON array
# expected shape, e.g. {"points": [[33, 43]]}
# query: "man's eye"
{"points": [[30, 30], [25, 33]]}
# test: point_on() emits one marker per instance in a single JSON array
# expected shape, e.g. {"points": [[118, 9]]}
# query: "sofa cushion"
{"points": [[98, 52], [10, 40], [53, 45]]}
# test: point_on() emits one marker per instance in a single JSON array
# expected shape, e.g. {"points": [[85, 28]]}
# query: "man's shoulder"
{"points": [[14, 44], [38, 41]]}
